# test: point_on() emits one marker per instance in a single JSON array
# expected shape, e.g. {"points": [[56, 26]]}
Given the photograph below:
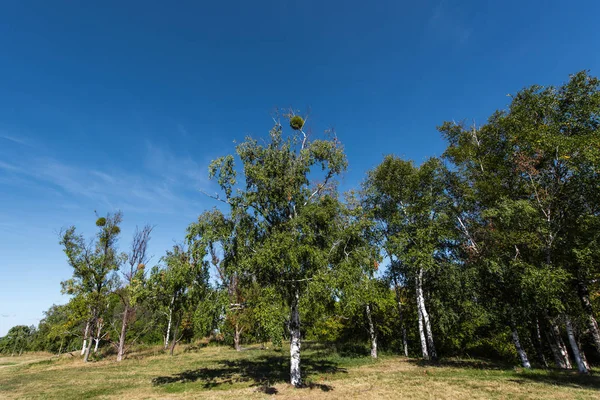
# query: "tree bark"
{"points": [[169, 325], [584, 295], [295, 373], [175, 332], [556, 353], [97, 338], [372, 333], [583, 357], [422, 334], [520, 350], [539, 347], [86, 355], [236, 338], [401, 315], [561, 345], [121, 349], [574, 347], [85, 337], [426, 321]]}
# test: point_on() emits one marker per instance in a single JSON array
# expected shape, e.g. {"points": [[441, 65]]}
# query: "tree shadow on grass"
{"points": [[463, 364], [560, 378], [262, 371], [521, 376]]}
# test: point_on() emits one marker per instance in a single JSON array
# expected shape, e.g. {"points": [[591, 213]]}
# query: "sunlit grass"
{"points": [[222, 373]]}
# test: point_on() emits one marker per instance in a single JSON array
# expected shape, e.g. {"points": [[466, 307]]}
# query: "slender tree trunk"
{"points": [[62, 340], [97, 338], [520, 350], [584, 295], [556, 353], [574, 347], [583, 357], [422, 335], [539, 347], [295, 373], [561, 345], [404, 341], [236, 338], [121, 349], [426, 321], [169, 325], [86, 355], [85, 337], [175, 332], [401, 315], [372, 333]]}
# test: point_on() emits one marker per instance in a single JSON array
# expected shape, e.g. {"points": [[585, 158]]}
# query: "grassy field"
{"points": [[221, 373]]}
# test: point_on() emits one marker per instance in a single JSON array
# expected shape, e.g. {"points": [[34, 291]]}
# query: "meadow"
{"points": [[218, 372]]}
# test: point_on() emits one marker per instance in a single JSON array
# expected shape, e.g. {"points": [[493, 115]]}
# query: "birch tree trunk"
{"points": [[584, 295], [175, 332], [574, 347], [121, 349], [426, 321], [583, 357], [86, 355], [520, 350], [556, 353], [85, 337], [169, 324], [236, 338], [422, 334], [372, 333], [539, 348], [561, 345], [401, 315], [97, 338], [295, 374]]}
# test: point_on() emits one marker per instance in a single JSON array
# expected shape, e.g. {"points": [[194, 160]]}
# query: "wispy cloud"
{"points": [[167, 184], [15, 139]]}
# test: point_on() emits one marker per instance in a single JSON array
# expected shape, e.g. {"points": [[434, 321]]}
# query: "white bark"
{"points": [[520, 350], [564, 354], [539, 346], [86, 355], [372, 333], [425, 314], [587, 306], [85, 336], [121, 349], [422, 334], [574, 347], [295, 374], [169, 325], [404, 341], [97, 338]]}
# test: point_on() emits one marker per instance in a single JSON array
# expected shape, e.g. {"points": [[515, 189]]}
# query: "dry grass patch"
{"points": [[221, 373]]}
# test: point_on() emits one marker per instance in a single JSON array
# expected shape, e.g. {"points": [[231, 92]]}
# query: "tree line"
{"points": [[490, 250]]}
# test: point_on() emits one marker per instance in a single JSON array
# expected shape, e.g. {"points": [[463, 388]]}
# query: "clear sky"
{"points": [[108, 105]]}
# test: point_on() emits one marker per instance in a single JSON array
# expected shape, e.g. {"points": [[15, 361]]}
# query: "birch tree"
{"points": [[133, 276], [93, 263], [412, 204], [290, 208]]}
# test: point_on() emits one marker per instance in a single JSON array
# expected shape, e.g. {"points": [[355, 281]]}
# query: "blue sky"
{"points": [[112, 105]]}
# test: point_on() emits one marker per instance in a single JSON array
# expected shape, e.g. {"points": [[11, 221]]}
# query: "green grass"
{"points": [[221, 373]]}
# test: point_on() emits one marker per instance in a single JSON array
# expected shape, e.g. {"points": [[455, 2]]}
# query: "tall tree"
{"points": [[413, 208], [133, 282], [93, 262], [291, 217]]}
